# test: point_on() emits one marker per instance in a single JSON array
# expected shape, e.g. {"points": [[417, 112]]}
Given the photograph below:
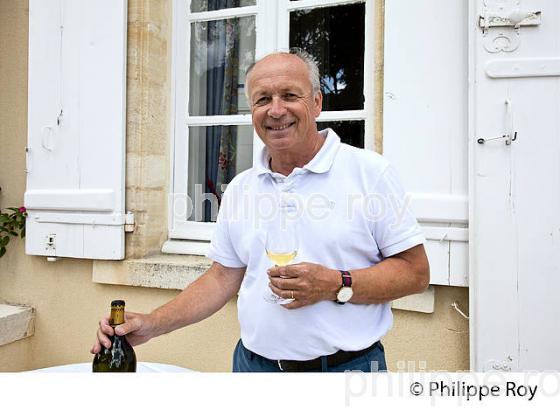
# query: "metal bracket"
{"points": [[50, 247], [129, 222], [510, 135], [513, 18], [509, 139], [505, 17]]}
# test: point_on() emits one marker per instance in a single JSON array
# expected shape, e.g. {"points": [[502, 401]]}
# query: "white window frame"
{"points": [[190, 237]]}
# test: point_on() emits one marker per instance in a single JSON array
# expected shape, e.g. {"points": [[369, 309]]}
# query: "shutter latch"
{"points": [[500, 26], [514, 18]]}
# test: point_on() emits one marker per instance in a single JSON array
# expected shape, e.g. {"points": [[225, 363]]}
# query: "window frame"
{"points": [[191, 237]]}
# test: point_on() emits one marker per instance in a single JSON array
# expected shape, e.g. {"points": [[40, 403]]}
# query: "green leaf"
{"points": [[2, 251]]}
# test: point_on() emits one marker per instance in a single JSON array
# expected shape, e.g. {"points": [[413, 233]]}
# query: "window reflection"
{"points": [[335, 36], [211, 5], [350, 132], [221, 52], [216, 155]]}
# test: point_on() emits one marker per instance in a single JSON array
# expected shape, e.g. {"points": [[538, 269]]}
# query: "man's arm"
{"points": [[402, 274], [201, 299]]}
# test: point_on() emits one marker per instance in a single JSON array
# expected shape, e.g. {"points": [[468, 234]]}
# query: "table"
{"points": [[141, 367]]}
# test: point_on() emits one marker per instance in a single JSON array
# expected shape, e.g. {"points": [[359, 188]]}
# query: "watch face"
{"points": [[344, 294]]}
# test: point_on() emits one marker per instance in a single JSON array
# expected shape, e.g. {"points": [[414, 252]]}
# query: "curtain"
{"points": [[222, 84]]}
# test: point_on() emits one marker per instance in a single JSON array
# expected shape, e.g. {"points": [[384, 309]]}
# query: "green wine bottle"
{"points": [[120, 357]]}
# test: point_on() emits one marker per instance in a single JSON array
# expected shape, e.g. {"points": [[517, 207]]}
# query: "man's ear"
{"points": [[318, 100]]}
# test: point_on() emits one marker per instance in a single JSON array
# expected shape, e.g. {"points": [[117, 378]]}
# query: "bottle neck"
{"points": [[117, 315]]}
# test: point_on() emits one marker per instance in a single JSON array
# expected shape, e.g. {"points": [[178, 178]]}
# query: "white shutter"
{"points": [[515, 186], [76, 128], [425, 124]]}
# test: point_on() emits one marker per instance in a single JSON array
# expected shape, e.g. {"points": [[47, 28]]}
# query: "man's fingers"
{"points": [[95, 348], [274, 289], [103, 339], [283, 272], [106, 328], [131, 325], [284, 283], [294, 305], [286, 293]]}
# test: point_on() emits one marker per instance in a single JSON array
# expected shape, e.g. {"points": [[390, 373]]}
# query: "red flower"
{"points": [[22, 209]]}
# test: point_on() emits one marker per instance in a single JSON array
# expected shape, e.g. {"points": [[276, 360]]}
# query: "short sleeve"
{"points": [[221, 247], [395, 228]]}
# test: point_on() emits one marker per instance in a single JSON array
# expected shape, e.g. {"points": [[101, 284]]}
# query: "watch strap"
{"points": [[346, 278], [346, 283]]}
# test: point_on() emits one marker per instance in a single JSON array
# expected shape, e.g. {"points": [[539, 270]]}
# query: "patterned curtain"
{"points": [[222, 84]]}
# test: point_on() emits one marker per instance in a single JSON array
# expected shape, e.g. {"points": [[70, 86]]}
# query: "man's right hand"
{"points": [[137, 328]]}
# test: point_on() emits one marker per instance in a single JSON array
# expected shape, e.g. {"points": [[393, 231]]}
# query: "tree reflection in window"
{"points": [[335, 36], [350, 132]]}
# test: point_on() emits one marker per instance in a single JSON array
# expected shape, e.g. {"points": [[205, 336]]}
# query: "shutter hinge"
{"points": [[129, 224]]}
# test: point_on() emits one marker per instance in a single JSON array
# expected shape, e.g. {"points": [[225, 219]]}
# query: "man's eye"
{"points": [[290, 97], [262, 101]]}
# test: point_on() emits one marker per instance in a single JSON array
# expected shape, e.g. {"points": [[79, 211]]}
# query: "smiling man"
{"points": [[284, 106], [359, 245]]}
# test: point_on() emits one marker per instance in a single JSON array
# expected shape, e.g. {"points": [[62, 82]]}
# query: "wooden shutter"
{"points": [[425, 123], [76, 128], [515, 199]]}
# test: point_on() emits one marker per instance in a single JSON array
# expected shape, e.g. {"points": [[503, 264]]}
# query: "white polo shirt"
{"points": [[351, 214]]}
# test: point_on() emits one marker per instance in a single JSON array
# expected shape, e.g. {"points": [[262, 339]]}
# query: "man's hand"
{"points": [[196, 302], [399, 275], [307, 283], [136, 327]]}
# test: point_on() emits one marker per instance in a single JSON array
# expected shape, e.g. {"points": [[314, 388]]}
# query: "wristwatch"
{"points": [[345, 292]]}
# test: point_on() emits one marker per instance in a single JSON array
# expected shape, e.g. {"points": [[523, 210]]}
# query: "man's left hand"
{"points": [[307, 283]]}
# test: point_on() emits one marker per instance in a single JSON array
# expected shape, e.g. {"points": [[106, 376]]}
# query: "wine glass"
{"points": [[281, 246]]}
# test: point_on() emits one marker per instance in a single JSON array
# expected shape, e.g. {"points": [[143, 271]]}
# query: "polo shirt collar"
{"points": [[320, 163]]}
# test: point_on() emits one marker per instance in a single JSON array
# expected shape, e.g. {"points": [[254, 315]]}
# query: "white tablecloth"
{"points": [[141, 367]]}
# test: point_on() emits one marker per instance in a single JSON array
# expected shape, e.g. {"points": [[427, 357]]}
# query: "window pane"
{"points": [[216, 155], [210, 5], [335, 36], [221, 52], [350, 132]]}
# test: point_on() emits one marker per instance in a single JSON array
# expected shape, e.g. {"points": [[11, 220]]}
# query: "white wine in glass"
{"points": [[281, 259], [281, 247]]}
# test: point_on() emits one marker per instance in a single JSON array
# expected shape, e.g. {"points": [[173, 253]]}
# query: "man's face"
{"points": [[282, 103]]}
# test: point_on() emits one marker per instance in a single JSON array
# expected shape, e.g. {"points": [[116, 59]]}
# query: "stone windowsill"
{"points": [[16, 322], [422, 302], [160, 271], [178, 271]]}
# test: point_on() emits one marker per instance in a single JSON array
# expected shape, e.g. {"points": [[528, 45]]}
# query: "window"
{"points": [[214, 42]]}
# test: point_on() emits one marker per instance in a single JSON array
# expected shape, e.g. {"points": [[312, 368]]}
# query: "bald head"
{"points": [[297, 54]]}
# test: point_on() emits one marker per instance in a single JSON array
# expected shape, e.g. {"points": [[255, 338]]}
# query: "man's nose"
{"points": [[277, 108]]}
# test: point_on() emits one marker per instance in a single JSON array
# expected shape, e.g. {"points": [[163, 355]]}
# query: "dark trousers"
{"points": [[246, 361]]}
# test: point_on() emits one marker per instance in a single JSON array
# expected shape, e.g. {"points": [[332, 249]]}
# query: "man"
{"points": [[359, 248]]}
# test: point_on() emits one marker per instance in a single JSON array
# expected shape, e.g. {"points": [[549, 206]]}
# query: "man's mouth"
{"points": [[278, 127]]}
